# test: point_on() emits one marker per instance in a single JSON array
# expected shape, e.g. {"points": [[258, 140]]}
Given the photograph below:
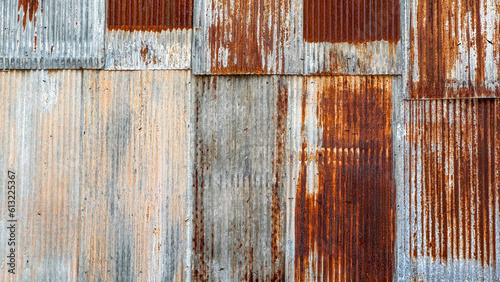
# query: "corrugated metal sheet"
{"points": [[52, 34], [103, 164], [452, 177], [248, 37], [40, 120], [351, 36], [149, 34], [239, 196], [341, 210], [455, 48]]}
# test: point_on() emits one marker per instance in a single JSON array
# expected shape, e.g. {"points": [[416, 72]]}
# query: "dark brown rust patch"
{"points": [[149, 15], [345, 229], [351, 21], [30, 7], [458, 149], [442, 70], [278, 217], [146, 57]]}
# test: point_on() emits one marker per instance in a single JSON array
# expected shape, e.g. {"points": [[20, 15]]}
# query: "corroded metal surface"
{"points": [[342, 209], [149, 34], [241, 37], [239, 196], [55, 34], [455, 50], [351, 37], [452, 177]]}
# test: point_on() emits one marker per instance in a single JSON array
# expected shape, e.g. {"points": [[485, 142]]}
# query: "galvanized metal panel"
{"points": [[452, 179], [149, 34], [341, 208], [54, 34], [40, 121], [455, 50], [134, 176], [248, 37], [351, 36], [239, 196]]}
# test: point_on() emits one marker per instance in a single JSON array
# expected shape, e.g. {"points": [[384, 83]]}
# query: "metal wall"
{"points": [[312, 140]]}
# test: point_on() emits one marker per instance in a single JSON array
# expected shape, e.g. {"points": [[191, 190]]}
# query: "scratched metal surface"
{"points": [[352, 37], [102, 160], [149, 34], [55, 34], [455, 50], [341, 196], [247, 37], [452, 178]]}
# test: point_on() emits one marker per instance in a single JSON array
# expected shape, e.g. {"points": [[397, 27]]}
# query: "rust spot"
{"points": [[344, 229], [146, 57], [351, 21], [278, 217], [244, 40], [29, 8], [446, 38], [456, 141], [150, 15]]}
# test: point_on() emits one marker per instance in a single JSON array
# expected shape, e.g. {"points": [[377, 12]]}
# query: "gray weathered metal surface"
{"points": [[247, 37], [140, 50], [452, 183], [102, 162], [55, 34], [40, 122]]}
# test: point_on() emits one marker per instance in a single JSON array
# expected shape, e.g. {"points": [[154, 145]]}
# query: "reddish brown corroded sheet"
{"points": [[351, 21], [344, 229], [30, 7], [454, 171], [149, 15], [449, 42]]}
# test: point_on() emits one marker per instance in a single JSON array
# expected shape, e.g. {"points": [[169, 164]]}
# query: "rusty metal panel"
{"points": [[455, 50], [40, 121], [239, 196], [452, 179], [247, 37], [54, 34], [351, 36], [149, 34], [134, 176], [341, 207]]}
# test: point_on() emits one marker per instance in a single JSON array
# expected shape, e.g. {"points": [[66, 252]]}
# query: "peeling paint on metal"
{"points": [[344, 203], [453, 181], [52, 34], [455, 48]]}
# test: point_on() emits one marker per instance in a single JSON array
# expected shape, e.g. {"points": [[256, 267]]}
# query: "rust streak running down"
{"points": [[351, 21], [344, 228], [150, 15], [454, 173], [29, 7]]}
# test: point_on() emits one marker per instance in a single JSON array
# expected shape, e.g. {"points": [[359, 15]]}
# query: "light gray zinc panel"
{"points": [[61, 35], [136, 50]]}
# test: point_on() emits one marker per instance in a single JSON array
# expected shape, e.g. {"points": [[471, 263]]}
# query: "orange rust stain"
{"points": [[351, 21], [345, 229], [243, 40], [438, 48], [144, 55], [29, 8], [277, 214], [457, 204], [150, 15]]}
